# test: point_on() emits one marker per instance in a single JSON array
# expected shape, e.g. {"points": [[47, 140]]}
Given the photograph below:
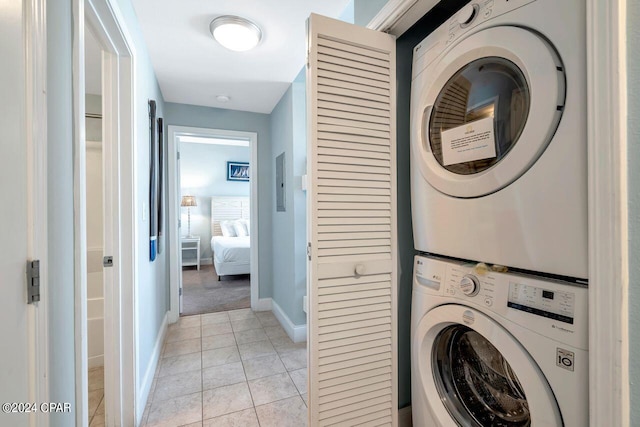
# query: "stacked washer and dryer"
{"points": [[499, 177]]}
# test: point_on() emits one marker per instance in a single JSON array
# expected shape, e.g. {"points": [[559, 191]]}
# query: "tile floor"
{"points": [[232, 368], [96, 397]]}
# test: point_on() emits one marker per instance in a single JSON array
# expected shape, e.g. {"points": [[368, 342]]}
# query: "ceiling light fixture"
{"points": [[222, 98], [235, 33]]}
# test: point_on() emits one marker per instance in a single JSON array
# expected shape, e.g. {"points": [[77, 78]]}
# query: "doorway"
{"points": [[213, 212]]}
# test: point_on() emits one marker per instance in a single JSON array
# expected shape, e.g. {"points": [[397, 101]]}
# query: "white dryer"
{"points": [[498, 136], [497, 349]]}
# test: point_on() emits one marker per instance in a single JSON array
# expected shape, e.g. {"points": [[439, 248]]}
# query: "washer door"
{"points": [[476, 374], [494, 105]]}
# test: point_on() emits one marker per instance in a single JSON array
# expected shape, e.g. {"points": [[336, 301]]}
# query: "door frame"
{"points": [[175, 252], [118, 69]]}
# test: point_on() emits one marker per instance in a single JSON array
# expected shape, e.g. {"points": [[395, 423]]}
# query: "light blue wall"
{"points": [[203, 173], [60, 210], [93, 126], [216, 118], [348, 13], [365, 10], [633, 53]]}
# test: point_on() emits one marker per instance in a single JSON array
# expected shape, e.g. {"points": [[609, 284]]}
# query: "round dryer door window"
{"points": [[474, 373], [492, 108]]}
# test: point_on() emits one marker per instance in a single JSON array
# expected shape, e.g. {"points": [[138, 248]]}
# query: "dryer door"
{"points": [[494, 105], [476, 374]]}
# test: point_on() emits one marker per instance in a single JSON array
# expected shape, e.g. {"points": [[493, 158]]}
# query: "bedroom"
{"points": [[215, 244]]}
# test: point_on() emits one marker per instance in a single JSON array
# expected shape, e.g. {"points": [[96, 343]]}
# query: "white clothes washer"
{"points": [[497, 349], [498, 136]]}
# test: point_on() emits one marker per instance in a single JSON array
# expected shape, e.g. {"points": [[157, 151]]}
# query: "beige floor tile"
{"points": [[263, 367], [216, 329], [218, 341], [267, 318], [246, 324], [225, 400], [220, 356], [95, 397], [211, 318], [299, 378], [100, 410], [186, 322], [97, 421], [290, 412], [222, 375], [96, 378], [179, 348], [246, 418], [305, 397], [269, 389], [251, 335], [180, 411], [198, 424], [253, 350], [180, 364], [275, 332], [284, 345], [173, 386], [244, 313], [294, 360], [181, 334]]}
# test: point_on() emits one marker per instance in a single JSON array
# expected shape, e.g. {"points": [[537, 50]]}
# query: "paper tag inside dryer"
{"points": [[469, 142]]}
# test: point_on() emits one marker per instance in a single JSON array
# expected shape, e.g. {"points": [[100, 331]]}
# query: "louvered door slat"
{"points": [[352, 202]]}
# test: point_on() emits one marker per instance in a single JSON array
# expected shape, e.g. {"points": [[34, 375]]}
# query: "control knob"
{"points": [[470, 285], [467, 14]]}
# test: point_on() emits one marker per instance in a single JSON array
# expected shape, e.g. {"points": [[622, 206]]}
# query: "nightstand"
{"points": [[191, 251]]}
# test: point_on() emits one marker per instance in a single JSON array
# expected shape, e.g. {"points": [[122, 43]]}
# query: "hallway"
{"points": [[232, 368]]}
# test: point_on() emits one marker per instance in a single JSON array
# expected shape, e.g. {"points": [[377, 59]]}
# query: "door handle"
{"points": [[359, 270]]}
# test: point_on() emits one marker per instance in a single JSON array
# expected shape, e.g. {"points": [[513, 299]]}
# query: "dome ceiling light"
{"points": [[235, 33]]}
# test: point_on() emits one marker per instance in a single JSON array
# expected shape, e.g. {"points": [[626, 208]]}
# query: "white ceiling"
{"points": [[192, 68], [93, 64]]}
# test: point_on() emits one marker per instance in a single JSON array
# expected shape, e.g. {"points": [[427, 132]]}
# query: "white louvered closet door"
{"points": [[352, 225]]}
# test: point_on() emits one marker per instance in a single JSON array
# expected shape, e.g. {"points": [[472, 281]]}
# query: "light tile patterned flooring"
{"points": [[96, 397], [232, 368]]}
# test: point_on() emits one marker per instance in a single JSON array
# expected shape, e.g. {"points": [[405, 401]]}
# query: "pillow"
{"points": [[227, 229], [240, 229], [247, 226]]}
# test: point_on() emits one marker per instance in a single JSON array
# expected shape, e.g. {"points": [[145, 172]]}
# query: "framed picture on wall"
{"points": [[237, 171]]}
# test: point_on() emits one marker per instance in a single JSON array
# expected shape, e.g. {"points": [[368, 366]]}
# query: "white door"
{"points": [[14, 355], [476, 373], [503, 86], [352, 221]]}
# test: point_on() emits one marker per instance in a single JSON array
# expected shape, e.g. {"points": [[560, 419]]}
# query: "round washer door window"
{"points": [[486, 111], [477, 382], [492, 89]]}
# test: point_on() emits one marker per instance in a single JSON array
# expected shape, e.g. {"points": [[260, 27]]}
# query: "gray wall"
{"points": [[288, 135], [203, 173], [365, 10], [60, 210], [216, 118], [93, 127], [633, 53]]}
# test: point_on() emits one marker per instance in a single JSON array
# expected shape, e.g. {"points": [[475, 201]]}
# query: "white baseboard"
{"points": [[264, 304], [297, 333], [206, 261], [147, 380], [404, 417]]}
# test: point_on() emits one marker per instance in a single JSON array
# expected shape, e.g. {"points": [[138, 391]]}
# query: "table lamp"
{"points": [[188, 202]]}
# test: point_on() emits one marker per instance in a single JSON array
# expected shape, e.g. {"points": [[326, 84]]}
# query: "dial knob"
{"points": [[469, 285], [467, 14]]}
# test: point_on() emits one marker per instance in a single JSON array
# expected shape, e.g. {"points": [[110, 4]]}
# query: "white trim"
{"points": [[608, 222], [175, 254], [391, 13], [36, 133], [120, 282], [264, 304], [297, 333], [147, 380]]}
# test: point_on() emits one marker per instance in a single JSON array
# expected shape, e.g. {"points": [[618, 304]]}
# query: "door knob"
{"points": [[359, 269]]}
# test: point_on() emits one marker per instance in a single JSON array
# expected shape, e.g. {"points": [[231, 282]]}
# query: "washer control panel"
{"points": [[470, 285], [543, 302]]}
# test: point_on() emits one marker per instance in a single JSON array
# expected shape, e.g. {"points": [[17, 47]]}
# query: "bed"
{"points": [[231, 253]]}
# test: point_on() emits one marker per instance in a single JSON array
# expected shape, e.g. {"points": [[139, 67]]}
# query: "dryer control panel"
{"points": [[467, 18]]}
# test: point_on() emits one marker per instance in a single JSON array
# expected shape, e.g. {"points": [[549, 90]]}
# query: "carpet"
{"points": [[203, 293]]}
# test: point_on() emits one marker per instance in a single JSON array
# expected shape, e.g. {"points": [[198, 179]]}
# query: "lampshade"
{"points": [[235, 33], [188, 201]]}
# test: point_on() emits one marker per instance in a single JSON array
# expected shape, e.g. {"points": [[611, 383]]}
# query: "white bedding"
{"points": [[233, 250]]}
